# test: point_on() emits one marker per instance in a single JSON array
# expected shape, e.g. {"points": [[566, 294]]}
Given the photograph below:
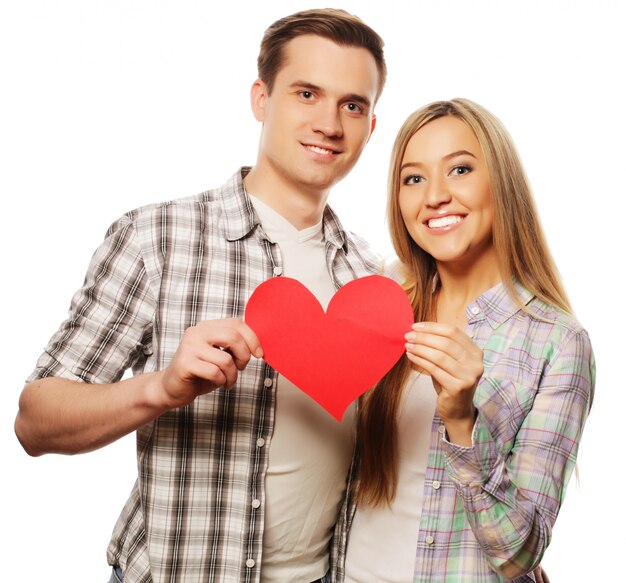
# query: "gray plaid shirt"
{"points": [[193, 515]]}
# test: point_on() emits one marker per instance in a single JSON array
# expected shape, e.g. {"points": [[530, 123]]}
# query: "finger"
{"points": [[440, 377], [453, 333], [440, 359], [442, 344], [438, 328], [225, 334], [537, 574], [209, 375], [250, 337], [452, 374], [466, 371], [239, 351], [446, 330], [223, 361]]}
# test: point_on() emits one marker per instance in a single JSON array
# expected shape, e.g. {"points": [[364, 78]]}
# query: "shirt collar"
{"points": [[334, 232], [497, 305], [240, 217]]}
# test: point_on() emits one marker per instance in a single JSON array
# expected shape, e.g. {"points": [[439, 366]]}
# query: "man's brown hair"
{"points": [[334, 24]]}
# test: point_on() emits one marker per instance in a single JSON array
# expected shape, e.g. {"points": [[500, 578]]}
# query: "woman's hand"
{"points": [[455, 365]]}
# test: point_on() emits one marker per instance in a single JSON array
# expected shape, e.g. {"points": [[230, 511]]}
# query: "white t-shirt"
{"points": [[382, 540], [310, 452]]}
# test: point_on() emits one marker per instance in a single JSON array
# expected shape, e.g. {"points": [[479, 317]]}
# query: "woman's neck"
{"points": [[460, 285]]}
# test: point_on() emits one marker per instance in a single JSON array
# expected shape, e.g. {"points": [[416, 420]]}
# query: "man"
{"points": [[240, 475]]}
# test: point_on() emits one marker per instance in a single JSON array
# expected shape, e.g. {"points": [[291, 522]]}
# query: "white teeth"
{"points": [[444, 221], [319, 150]]}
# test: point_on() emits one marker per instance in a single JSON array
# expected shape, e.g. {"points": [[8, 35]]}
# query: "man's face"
{"points": [[319, 115]]}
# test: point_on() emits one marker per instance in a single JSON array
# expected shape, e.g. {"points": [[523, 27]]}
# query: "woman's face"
{"points": [[445, 193]]}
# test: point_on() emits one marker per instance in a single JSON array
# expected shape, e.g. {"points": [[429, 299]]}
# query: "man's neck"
{"points": [[301, 208]]}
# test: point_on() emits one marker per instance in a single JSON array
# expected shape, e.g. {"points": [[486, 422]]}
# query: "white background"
{"points": [[105, 106]]}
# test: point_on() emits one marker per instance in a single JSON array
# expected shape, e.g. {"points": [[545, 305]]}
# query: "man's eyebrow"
{"points": [[446, 157], [358, 98], [305, 85], [349, 97]]}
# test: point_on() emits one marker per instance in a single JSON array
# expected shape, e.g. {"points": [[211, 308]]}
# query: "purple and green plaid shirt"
{"points": [[196, 512], [489, 509]]}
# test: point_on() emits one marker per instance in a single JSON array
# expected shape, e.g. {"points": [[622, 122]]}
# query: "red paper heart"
{"points": [[335, 356]]}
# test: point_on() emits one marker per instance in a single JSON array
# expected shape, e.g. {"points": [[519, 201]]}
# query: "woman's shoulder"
{"points": [[559, 318], [562, 333]]}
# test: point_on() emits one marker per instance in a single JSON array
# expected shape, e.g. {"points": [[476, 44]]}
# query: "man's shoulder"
{"points": [[185, 205], [178, 212]]}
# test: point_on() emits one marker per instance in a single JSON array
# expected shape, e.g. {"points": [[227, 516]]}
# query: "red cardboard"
{"points": [[337, 355]]}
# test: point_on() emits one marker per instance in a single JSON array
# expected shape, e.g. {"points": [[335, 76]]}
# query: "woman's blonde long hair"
{"points": [[521, 251]]}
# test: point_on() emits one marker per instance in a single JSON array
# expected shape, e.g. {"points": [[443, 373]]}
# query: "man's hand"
{"points": [[210, 355], [540, 575]]}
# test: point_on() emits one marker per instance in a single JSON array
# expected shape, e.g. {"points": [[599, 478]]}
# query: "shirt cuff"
{"points": [[477, 467]]}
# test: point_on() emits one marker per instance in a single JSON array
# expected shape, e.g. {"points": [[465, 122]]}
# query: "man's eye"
{"points": [[354, 107], [306, 94]]}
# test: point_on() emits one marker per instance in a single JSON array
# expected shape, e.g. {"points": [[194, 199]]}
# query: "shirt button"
{"points": [[260, 442], [250, 563], [268, 382], [278, 270], [475, 310], [256, 503], [436, 485], [429, 540], [441, 429]]}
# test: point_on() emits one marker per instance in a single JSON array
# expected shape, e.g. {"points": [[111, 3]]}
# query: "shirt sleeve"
{"points": [[109, 325], [512, 501]]}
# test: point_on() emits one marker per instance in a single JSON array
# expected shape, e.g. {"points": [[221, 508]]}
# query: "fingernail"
{"points": [[418, 325], [259, 353], [411, 336]]}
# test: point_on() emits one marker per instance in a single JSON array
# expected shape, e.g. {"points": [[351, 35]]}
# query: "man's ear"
{"points": [[258, 97], [372, 128]]}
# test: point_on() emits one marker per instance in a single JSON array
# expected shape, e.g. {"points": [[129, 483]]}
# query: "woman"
{"points": [[464, 482]]}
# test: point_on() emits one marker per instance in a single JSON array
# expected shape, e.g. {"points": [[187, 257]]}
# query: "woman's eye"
{"points": [[460, 170], [413, 179]]}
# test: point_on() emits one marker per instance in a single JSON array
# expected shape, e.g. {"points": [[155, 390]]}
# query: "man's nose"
{"points": [[328, 121]]}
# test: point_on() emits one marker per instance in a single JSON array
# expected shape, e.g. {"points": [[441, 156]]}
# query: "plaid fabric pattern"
{"points": [[489, 509], [161, 269]]}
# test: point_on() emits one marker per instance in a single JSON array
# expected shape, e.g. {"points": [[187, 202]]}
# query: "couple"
{"points": [[464, 449]]}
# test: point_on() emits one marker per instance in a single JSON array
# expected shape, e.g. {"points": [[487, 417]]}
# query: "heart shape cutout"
{"points": [[337, 355]]}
